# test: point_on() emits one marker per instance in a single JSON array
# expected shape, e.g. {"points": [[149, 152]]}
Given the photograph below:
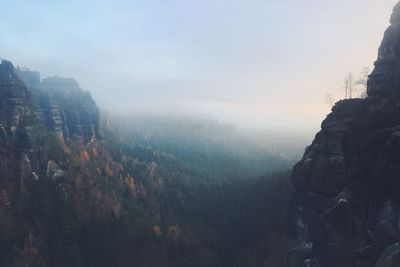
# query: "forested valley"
{"points": [[85, 188]]}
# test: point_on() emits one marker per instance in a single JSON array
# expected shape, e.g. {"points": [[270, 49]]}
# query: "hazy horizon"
{"points": [[260, 64]]}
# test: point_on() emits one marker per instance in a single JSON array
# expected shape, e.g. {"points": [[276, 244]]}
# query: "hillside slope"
{"points": [[77, 191]]}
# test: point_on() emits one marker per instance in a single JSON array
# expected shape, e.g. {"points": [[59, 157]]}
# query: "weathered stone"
{"points": [[300, 255], [352, 170], [52, 168], [30, 78], [63, 106], [15, 98], [58, 104], [390, 257], [334, 243], [385, 79]]}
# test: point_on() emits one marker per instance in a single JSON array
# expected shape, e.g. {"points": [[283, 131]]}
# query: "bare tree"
{"points": [[363, 81], [330, 100], [348, 86]]}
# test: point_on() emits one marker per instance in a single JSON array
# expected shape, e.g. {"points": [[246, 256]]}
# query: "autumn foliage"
{"points": [[85, 155]]}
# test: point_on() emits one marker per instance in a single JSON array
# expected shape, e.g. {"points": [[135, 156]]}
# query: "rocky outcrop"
{"points": [[346, 206], [30, 78], [64, 106], [15, 98], [385, 79], [37, 118], [18, 134]]}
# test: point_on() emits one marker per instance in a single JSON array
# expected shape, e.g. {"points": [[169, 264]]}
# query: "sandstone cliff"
{"points": [[64, 106], [38, 117], [345, 210]]}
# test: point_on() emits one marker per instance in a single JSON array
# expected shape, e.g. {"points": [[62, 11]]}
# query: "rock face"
{"points": [[31, 111], [385, 79], [346, 204], [63, 106], [30, 78], [15, 108], [14, 96]]}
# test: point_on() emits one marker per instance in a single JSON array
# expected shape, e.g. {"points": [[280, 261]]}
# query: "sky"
{"points": [[258, 63]]}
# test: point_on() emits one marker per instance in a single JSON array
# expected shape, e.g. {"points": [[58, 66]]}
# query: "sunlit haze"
{"points": [[258, 63]]}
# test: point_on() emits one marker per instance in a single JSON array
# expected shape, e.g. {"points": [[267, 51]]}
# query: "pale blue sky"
{"points": [[268, 63]]}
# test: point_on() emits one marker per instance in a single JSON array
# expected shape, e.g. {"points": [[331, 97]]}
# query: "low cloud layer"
{"points": [[261, 63]]}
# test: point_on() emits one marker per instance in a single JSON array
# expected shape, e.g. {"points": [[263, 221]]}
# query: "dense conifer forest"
{"points": [[141, 197]]}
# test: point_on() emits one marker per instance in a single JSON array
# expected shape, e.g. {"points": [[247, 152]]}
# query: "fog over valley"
{"points": [[238, 61], [200, 133]]}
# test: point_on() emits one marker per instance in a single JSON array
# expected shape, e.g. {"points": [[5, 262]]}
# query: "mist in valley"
{"points": [[262, 64], [166, 133]]}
